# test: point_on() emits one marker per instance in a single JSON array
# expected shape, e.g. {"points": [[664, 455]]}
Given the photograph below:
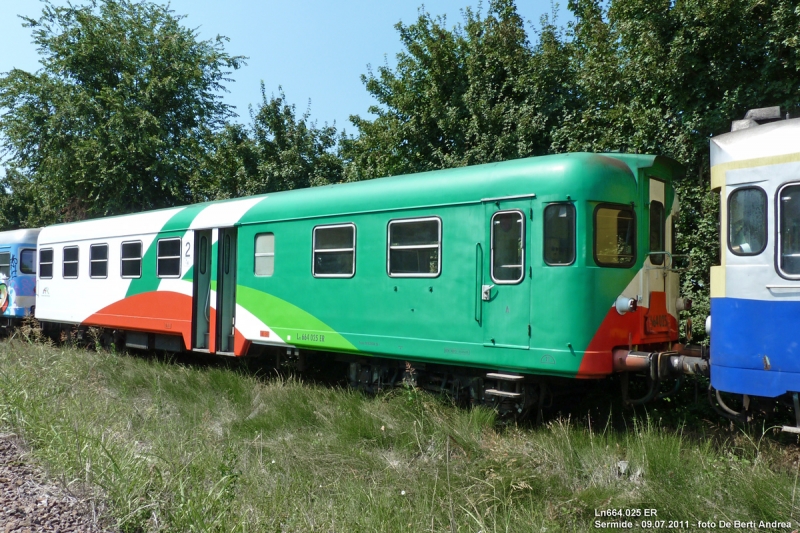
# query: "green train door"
{"points": [[226, 290], [506, 289], [201, 311]]}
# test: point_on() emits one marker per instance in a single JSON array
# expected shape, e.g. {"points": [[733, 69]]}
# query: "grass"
{"points": [[172, 447]]}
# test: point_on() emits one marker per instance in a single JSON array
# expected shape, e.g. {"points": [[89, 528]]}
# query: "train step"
{"points": [[502, 393], [504, 377]]}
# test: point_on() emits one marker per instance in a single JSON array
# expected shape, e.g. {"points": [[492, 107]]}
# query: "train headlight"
{"points": [[708, 325], [625, 304]]}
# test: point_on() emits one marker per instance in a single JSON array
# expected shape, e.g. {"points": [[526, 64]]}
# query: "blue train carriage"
{"points": [[17, 275], [755, 291]]}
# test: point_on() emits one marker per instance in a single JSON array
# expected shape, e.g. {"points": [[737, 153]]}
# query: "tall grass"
{"points": [[171, 447]]}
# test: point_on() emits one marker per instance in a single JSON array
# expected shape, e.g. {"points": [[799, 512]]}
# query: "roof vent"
{"points": [[754, 117]]}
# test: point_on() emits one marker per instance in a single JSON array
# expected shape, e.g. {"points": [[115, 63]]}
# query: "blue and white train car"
{"points": [[755, 291], [17, 274]]}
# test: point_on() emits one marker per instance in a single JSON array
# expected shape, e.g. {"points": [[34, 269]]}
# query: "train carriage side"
{"points": [[512, 266], [755, 291], [534, 266], [17, 275]]}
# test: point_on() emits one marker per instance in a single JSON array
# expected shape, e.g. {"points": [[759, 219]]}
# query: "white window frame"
{"points": [[314, 250], [92, 261], [52, 260], [64, 262], [160, 257], [122, 259], [779, 240], [437, 246], [491, 250]]}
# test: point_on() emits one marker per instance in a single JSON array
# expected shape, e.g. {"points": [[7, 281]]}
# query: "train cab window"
{"points": [[789, 230], [334, 251], [70, 264], [27, 261], [265, 254], [98, 261], [5, 264], [131, 259], [559, 234], [508, 247], [657, 230], [169, 258], [614, 235], [414, 248], [46, 263], [747, 221]]}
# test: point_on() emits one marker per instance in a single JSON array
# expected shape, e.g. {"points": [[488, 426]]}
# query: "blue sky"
{"points": [[315, 49]]}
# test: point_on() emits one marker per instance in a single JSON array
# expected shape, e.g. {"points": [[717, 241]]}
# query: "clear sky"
{"points": [[315, 49]]}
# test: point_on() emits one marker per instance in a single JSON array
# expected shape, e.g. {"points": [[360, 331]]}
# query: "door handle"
{"points": [[486, 292]]}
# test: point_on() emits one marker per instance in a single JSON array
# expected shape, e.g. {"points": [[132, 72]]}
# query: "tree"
{"points": [[116, 119], [473, 94], [278, 151]]}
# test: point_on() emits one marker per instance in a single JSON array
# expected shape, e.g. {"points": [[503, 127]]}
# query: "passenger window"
{"points": [[46, 263], [657, 229], [169, 258], [789, 230], [5, 264], [559, 234], [334, 251], [98, 261], [747, 221], [415, 248], [614, 235], [508, 248], [27, 261], [131, 262], [70, 266], [265, 254]]}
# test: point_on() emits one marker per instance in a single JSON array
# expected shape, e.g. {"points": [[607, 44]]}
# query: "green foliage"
{"points": [[473, 94], [115, 120], [278, 151]]}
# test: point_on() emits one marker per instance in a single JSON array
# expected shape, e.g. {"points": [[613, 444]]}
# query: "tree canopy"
{"points": [[115, 120]]}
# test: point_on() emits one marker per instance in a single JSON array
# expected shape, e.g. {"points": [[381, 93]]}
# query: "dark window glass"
{"points": [[5, 264], [559, 234], [508, 250], [334, 251], [27, 262], [70, 262], [789, 230], [131, 259], [46, 264], [169, 258], [657, 232], [614, 235], [203, 255], [415, 247], [98, 261], [747, 221], [226, 259]]}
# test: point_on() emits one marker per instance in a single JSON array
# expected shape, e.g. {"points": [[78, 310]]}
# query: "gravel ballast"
{"points": [[30, 503]]}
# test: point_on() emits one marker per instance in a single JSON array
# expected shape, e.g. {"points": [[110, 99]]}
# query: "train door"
{"points": [[201, 310], [226, 290], [506, 288]]}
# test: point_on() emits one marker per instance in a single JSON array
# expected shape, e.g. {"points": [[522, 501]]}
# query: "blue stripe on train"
{"points": [[749, 336]]}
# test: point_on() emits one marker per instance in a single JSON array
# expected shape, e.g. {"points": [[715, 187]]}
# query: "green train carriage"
{"points": [[497, 273]]}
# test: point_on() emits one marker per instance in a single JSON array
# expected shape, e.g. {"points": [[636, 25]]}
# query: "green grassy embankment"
{"points": [[171, 447]]}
